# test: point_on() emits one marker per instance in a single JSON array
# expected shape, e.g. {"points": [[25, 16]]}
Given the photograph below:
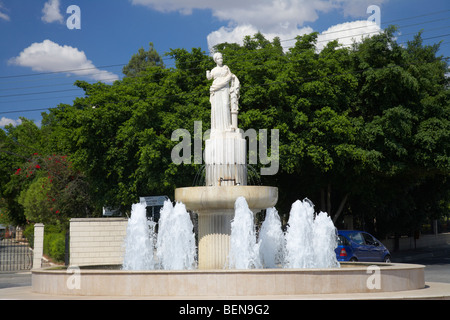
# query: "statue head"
{"points": [[218, 58]]}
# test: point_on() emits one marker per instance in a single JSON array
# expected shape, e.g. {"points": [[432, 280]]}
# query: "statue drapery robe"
{"points": [[220, 99]]}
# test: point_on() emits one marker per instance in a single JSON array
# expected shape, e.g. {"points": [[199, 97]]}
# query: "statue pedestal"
{"points": [[225, 159], [215, 208]]}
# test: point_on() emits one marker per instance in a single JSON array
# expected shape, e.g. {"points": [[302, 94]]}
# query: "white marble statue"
{"points": [[224, 96]]}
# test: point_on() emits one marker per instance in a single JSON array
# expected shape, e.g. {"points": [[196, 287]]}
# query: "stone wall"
{"points": [[97, 241], [424, 241]]}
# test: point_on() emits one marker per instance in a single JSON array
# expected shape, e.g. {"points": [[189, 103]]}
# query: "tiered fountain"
{"points": [[232, 261]]}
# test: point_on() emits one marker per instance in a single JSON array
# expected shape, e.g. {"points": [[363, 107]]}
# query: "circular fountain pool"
{"points": [[350, 278]]}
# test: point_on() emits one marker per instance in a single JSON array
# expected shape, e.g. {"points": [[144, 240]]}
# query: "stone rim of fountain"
{"points": [[224, 197], [351, 278]]}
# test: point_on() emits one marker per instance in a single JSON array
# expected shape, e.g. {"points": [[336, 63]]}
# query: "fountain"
{"points": [[226, 173], [310, 241], [271, 240], [244, 249], [139, 241], [175, 242], [232, 260], [172, 248]]}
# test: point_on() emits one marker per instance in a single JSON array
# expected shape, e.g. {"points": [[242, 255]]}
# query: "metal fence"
{"points": [[15, 255]]}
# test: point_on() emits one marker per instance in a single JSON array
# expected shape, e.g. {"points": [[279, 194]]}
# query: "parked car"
{"points": [[356, 245]]}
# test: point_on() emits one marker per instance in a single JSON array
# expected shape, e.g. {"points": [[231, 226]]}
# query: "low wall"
{"points": [[97, 241], [424, 241]]}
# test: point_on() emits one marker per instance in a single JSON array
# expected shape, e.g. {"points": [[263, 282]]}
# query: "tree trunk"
{"points": [[341, 208], [325, 203]]}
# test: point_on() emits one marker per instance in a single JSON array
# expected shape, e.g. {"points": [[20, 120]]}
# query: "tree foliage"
{"points": [[142, 60], [363, 130]]}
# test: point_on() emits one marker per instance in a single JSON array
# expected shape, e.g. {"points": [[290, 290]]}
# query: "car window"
{"points": [[369, 239], [356, 237], [342, 241]]}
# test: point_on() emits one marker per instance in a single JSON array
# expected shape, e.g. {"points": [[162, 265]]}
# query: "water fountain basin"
{"points": [[207, 284], [199, 199]]}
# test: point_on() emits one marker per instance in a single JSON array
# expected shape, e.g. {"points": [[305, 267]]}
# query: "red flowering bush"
{"points": [[56, 191]]}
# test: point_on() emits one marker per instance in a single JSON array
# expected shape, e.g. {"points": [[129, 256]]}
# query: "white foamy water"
{"points": [[299, 236], [139, 240], [244, 251], [271, 240], [324, 242], [310, 242], [175, 247]]}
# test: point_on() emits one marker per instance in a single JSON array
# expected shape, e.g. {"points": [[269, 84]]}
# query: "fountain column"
{"points": [[214, 230]]}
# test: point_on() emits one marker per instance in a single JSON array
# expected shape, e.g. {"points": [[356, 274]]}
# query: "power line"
{"points": [[325, 40], [244, 86], [29, 110], [35, 93], [171, 58], [116, 65], [111, 79], [61, 71], [319, 41], [184, 93]]}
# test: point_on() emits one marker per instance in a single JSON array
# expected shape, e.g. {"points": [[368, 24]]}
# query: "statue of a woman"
{"points": [[220, 95]]}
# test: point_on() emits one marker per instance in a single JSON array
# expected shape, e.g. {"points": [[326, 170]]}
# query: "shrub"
{"points": [[28, 233], [54, 243]]}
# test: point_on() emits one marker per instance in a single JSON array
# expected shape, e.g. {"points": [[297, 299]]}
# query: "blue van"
{"points": [[356, 245]]}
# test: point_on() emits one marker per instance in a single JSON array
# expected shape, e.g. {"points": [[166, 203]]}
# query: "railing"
{"points": [[15, 255]]}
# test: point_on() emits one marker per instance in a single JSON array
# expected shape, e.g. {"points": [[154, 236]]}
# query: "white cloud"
{"points": [[265, 15], [51, 12], [3, 15], [283, 18], [347, 33], [48, 56], [237, 34], [6, 121]]}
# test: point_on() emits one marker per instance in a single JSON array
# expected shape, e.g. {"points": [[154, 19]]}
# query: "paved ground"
{"points": [[17, 286], [436, 260], [14, 279]]}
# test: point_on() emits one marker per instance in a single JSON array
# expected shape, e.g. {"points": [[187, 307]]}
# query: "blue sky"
{"points": [[37, 46]]}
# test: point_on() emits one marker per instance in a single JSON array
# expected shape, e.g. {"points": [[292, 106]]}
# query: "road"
{"points": [[15, 279], [437, 268]]}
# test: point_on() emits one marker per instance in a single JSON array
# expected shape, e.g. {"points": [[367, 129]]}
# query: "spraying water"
{"points": [[310, 242], [175, 246], [324, 242], [299, 236], [271, 240], [139, 240], [243, 247]]}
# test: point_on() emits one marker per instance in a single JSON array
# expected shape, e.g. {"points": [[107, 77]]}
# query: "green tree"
{"points": [[120, 135], [363, 130], [142, 60], [17, 145]]}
